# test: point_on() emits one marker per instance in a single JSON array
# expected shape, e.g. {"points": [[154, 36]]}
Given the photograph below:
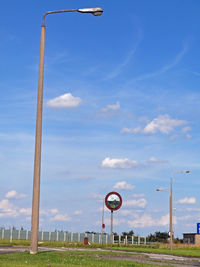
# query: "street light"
{"points": [[170, 208], [38, 136]]}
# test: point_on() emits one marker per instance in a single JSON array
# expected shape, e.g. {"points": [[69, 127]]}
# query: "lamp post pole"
{"points": [[170, 210], [37, 160], [170, 207], [170, 217], [38, 136]]}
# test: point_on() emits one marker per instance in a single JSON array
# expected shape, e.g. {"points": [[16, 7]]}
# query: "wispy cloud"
{"points": [[119, 68], [194, 72], [187, 200], [14, 195], [61, 217], [140, 202], [111, 107], [165, 68]]}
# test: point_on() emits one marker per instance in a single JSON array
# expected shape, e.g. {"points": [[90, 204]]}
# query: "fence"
{"points": [[14, 234]]}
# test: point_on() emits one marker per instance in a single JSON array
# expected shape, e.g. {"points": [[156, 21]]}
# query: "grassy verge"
{"points": [[70, 259], [182, 250], [192, 251]]}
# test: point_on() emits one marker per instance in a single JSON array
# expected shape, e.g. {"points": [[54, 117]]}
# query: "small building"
{"points": [[191, 238]]}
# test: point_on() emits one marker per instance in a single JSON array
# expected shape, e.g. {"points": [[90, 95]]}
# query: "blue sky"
{"points": [[121, 112]]}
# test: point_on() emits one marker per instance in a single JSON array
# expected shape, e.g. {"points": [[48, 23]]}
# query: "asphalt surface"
{"points": [[155, 259]]}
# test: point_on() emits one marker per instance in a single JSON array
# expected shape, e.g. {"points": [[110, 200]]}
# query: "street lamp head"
{"points": [[187, 171], [161, 189], [97, 11]]}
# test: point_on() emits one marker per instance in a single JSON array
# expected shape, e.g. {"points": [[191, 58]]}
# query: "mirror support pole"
{"points": [[111, 231]]}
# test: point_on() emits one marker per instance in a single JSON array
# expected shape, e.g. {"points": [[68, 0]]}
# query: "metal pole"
{"points": [[111, 230], [102, 223], [37, 161], [170, 218]]}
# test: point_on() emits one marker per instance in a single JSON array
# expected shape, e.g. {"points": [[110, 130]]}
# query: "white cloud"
{"points": [[25, 211], [7, 209], [155, 160], [97, 196], [163, 124], [186, 129], [15, 195], [125, 163], [61, 217], [187, 200], [6, 205], [142, 222], [146, 220], [78, 212], [54, 211], [141, 202], [107, 222], [65, 101], [185, 218], [112, 107], [123, 186], [188, 136], [125, 212], [192, 209], [118, 163]]}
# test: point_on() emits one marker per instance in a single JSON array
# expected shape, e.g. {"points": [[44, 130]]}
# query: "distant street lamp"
{"points": [[38, 137], [170, 207]]}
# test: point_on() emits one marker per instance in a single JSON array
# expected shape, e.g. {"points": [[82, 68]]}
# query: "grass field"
{"points": [[192, 251], [70, 259], [179, 249]]}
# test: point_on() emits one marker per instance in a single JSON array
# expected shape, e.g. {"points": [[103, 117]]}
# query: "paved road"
{"points": [[155, 259]]}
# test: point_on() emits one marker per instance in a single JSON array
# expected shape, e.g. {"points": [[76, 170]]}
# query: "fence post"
{"points": [[18, 237], [71, 237], [106, 239], [11, 232], [126, 242], [26, 234], [92, 238], [100, 239], [49, 236], [113, 241], [138, 240], [132, 239], [79, 237], [64, 236], [119, 239], [145, 240], [57, 236], [42, 236], [2, 234]]}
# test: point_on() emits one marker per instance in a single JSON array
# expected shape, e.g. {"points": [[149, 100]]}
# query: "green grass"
{"points": [[70, 259], [182, 251]]}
